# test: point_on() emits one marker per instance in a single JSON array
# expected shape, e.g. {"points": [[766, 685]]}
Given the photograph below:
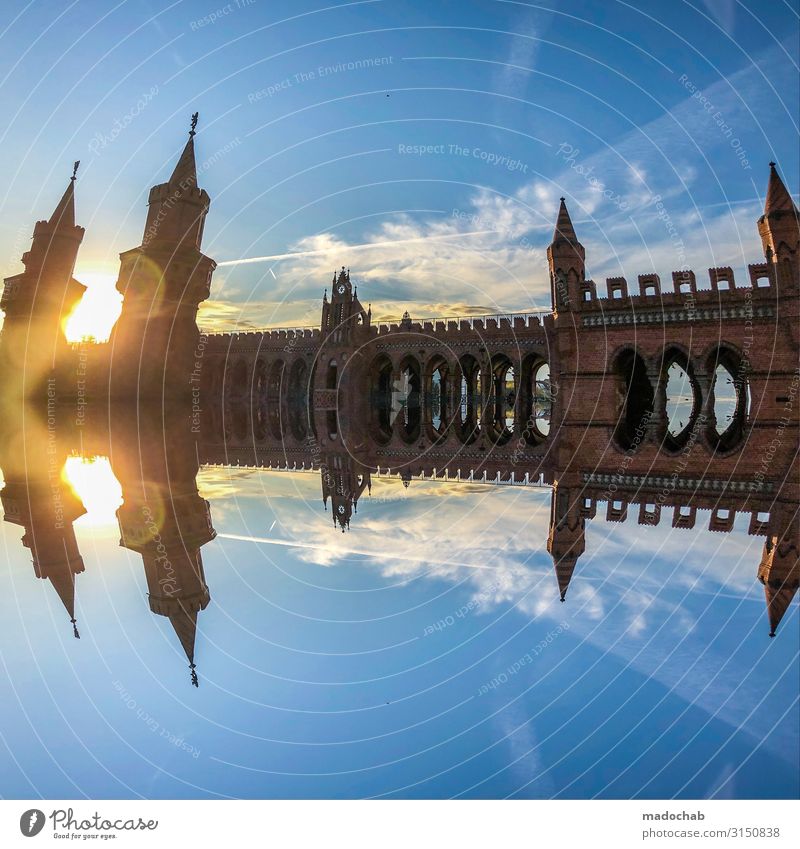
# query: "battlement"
{"points": [[167, 192], [684, 511], [46, 228], [256, 339], [489, 325], [684, 292]]}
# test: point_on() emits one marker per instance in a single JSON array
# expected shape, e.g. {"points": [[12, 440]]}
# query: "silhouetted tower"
{"points": [[779, 228], [343, 317], [38, 301], [36, 498], [163, 282], [566, 259], [344, 485], [566, 538], [165, 519]]}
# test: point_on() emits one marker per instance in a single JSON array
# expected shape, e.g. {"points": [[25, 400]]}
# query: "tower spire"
{"points": [[184, 175], [63, 581], [778, 197], [779, 228], [564, 228], [184, 623], [566, 259], [63, 217], [566, 539], [778, 600], [565, 566]]}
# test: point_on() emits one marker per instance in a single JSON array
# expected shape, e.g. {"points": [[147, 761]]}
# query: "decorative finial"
{"points": [[194, 123], [74, 625], [562, 200], [195, 682], [772, 633], [771, 164], [75, 169]]}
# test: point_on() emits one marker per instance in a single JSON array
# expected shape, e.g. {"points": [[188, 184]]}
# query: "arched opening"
{"points": [[312, 382], [298, 400], [274, 383], [406, 400], [238, 418], [504, 399], [470, 406], [237, 382], [380, 394], [535, 400], [541, 400], [332, 376], [729, 402], [681, 399], [438, 387], [636, 399], [259, 405]]}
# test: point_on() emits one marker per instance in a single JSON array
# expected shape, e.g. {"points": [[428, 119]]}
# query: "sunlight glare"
{"points": [[99, 308], [93, 481]]}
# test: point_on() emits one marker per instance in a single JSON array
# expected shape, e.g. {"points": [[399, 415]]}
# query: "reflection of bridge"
{"points": [[577, 398]]}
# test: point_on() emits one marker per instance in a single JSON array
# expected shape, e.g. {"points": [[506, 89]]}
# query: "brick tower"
{"points": [[163, 282], [38, 301], [163, 517]]}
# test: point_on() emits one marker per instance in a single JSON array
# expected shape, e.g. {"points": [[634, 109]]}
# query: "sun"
{"points": [[95, 314], [93, 481]]}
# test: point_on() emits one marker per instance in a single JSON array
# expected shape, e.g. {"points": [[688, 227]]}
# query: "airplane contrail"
{"points": [[348, 248], [290, 543]]}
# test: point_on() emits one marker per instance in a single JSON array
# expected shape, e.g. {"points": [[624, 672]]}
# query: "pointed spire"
{"points": [[778, 197], [63, 580], [564, 228], [778, 601], [185, 173], [565, 566], [63, 216], [184, 623]]}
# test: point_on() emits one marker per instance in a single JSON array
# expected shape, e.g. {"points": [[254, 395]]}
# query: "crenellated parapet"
{"points": [[683, 301]]}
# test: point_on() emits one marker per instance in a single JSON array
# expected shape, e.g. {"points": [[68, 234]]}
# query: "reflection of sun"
{"points": [[94, 483], [98, 309]]}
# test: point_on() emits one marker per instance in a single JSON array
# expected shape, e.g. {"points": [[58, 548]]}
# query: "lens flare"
{"points": [[99, 308], [93, 481]]}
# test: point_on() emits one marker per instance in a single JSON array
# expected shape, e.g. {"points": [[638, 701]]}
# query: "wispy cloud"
{"points": [[491, 251]]}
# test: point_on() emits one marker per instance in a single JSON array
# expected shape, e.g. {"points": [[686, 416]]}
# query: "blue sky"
{"points": [[664, 683], [658, 678], [300, 152]]}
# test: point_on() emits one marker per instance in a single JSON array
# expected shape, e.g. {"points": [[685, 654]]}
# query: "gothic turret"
{"points": [[566, 539], [566, 258], [163, 282], [36, 498], [344, 486], [779, 228], [164, 518], [38, 301], [343, 316]]}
